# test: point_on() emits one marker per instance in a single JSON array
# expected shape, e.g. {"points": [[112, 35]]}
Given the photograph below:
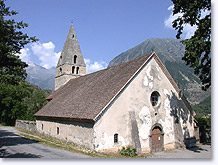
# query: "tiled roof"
{"points": [[85, 97]]}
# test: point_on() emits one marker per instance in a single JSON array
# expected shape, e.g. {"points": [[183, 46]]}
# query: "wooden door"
{"points": [[156, 140]]}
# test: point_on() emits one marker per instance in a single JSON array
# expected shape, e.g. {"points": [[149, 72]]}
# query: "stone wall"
{"points": [[26, 125]]}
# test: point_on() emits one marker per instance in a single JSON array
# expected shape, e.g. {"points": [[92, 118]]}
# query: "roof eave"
{"points": [[83, 120]]}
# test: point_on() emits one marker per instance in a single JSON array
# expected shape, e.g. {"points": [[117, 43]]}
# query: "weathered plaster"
{"points": [[107, 142], [145, 127], [148, 73], [135, 132], [69, 131], [145, 82], [150, 85]]}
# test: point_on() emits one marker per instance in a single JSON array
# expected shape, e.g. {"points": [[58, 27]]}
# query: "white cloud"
{"points": [[25, 55], [95, 66], [48, 58], [45, 52], [188, 30], [171, 18]]}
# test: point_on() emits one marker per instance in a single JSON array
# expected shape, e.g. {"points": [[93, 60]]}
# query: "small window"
{"points": [[155, 98], [60, 70], [77, 70], [115, 138], [74, 59], [58, 130], [73, 69], [73, 36], [42, 126]]}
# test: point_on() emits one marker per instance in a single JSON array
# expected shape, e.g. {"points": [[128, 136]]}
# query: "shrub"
{"points": [[128, 151]]}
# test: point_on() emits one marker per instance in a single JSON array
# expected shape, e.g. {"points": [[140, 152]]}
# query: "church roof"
{"points": [[70, 49], [86, 98]]}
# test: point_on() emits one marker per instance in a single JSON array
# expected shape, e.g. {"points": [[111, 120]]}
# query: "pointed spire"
{"points": [[71, 63], [71, 48]]}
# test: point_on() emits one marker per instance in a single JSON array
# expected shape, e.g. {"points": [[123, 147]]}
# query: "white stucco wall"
{"points": [[74, 132], [132, 115]]}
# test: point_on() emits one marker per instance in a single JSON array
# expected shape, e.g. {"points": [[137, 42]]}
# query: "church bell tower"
{"points": [[71, 63]]}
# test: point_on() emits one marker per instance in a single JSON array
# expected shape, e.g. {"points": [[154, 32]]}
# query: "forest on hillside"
{"points": [[20, 102]]}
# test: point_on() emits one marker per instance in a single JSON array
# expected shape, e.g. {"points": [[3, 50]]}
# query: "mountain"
{"points": [[170, 51], [42, 77], [204, 107]]}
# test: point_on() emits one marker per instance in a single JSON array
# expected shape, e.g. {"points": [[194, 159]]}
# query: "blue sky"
{"points": [[104, 28]]}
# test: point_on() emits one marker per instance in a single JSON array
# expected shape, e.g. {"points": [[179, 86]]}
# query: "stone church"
{"points": [[136, 104]]}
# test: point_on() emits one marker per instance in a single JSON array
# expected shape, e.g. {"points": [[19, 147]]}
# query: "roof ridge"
{"points": [[124, 63]]}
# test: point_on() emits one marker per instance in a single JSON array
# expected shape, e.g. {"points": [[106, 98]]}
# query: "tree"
{"points": [[204, 121], [198, 47], [34, 102], [12, 106], [20, 102], [12, 40], [13, 89]]}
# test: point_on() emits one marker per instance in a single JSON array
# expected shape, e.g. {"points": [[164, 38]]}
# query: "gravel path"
{"points": [[13, 146], [200, 151]]}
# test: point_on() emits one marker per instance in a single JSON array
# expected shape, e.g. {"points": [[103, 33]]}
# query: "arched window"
{"points": [[58, 130], [155, 98], [77, 70], [42, 126], [115, 138], [60, 70], [74, 59], [73, 69]]}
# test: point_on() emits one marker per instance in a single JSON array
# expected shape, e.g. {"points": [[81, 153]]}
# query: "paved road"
{"points": [[13, 146], [200, 151]]}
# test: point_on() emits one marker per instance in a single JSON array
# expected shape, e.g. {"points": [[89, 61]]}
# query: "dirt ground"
{"points": [[200, 151]]}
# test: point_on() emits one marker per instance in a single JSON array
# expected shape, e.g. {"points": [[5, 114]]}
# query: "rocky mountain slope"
{"points": [[42, 77], [170, 51]]}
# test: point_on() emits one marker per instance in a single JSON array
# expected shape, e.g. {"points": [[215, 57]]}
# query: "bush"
{"points": [[128, 151]]}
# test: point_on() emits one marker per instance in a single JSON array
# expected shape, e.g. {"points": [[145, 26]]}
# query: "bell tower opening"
{"points": [[77, 70], [74, 59], [73, 69]]}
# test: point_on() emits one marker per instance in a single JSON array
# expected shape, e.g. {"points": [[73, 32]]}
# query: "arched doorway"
{"points": [[156, 138]]}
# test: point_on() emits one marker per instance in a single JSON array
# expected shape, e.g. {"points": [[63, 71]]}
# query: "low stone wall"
{"points": [[26, 125]]}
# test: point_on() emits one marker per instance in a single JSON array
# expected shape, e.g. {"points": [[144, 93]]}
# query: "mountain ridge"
{"points": [[170, 51]]}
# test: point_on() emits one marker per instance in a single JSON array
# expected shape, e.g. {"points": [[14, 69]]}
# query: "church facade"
{"points": [[136, 104]]}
